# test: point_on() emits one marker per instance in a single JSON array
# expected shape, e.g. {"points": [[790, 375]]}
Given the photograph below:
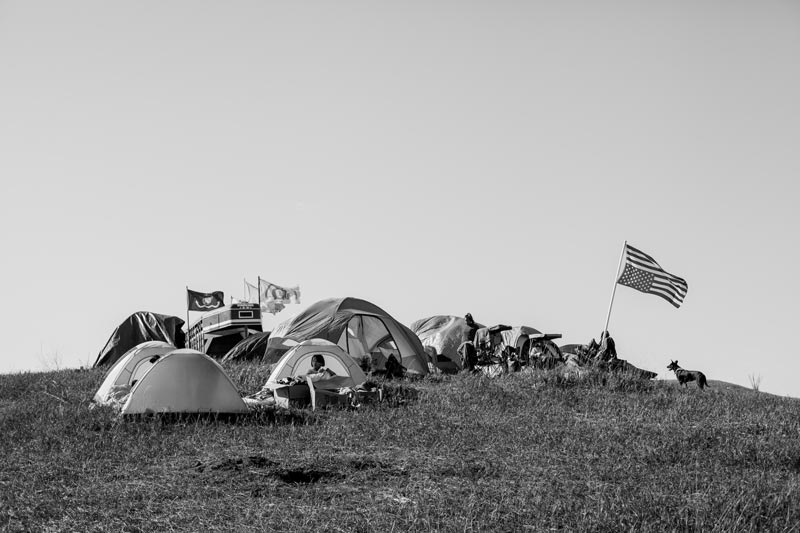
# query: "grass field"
{"points": [[530, 451]]}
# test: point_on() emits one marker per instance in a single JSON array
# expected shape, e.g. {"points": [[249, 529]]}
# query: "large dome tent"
{"points": [[359, 327]]}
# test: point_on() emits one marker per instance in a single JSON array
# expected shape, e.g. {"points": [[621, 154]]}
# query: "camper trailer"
{"points": [[220, 330]]}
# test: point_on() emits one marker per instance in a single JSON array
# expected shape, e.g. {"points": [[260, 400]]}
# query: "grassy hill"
{"points": [[524, 452]]}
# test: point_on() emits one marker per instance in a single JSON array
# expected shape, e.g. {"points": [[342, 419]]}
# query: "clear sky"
{"points": [[432, 157]]}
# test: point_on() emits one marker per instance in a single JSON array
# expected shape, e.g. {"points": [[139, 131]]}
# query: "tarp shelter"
{"points": [[184, 381], [359, 327], [441, 335], [251, 348], [141, 327], [297, 362], [129, 369]]}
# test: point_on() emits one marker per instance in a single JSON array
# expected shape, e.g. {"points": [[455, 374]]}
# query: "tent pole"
{"points": [[613, 291]]}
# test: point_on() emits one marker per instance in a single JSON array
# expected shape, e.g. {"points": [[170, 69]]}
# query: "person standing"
{"points": [[469, 356]]}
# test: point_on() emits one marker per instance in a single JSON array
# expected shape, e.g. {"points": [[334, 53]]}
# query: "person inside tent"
{"points": [[318, 370], [393, 368]]}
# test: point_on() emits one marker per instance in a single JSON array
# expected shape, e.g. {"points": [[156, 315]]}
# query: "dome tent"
{"points": [[360, 328], [129, 369], [184, 381], [141, 327], [297, 362]]}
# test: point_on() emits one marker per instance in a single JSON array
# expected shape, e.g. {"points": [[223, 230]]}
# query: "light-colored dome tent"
{"points": [[184, 381], [141, 327], [441, 335], [359, 327], [249, 349], [297, 362], [129, 369]]}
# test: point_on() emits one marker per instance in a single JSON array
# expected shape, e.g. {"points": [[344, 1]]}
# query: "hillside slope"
{"points": [[528, 451]]}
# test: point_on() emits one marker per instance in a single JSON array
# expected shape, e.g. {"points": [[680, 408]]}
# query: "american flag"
{"points": [[644, 274]]}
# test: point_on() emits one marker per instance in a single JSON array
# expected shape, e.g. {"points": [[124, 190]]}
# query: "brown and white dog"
{"points": [[685, 376]]}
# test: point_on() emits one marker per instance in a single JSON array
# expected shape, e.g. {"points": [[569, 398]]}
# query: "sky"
{"points": [[432, 157]]}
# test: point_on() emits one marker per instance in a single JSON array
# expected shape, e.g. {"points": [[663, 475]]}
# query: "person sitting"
{"points": [[393, 368], [608, 349], [318, 369]]}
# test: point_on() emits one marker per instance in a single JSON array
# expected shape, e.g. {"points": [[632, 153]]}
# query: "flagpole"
{"points": [[188, 326], [613, 291]]}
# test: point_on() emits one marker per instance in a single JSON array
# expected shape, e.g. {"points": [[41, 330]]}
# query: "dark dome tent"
{"points": [[249, 349]]}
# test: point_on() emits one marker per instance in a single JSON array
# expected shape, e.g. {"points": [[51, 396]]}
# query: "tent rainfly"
{"points": [[360, 328]]}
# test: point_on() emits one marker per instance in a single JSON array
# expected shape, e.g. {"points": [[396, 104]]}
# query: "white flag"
{"points": [[274, 297]]}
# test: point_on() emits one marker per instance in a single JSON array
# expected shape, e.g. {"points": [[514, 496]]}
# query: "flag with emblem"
{"points": [[644, 274], [274, 297], [204, 301]]}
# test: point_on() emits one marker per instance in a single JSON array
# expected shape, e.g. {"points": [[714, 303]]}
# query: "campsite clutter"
{"points": [[338, 352], [454, 343], [333, 352]]}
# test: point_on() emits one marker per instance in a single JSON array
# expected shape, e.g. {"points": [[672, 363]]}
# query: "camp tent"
{"points": [[297, 362], [251, 348], [360, 328], [129, 369], [141, 327], [441, 335], [184, 381]]}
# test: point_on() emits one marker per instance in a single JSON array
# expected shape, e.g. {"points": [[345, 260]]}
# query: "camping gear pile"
{"points": [[452, 346], [151, 372]]}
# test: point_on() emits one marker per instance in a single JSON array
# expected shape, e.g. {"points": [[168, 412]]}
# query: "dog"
{"points": [[685, 376]]}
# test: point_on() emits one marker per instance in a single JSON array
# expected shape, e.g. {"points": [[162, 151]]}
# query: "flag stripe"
{"points": [[669, 286], [665, 275]]}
